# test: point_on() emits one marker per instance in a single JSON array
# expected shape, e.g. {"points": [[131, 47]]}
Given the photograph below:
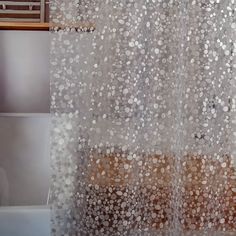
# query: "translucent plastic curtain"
{"points": [[143, 117]]}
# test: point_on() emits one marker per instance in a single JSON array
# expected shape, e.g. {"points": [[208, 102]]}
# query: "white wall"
{"points": [[24, 141], [24, 155], [24, 71]]}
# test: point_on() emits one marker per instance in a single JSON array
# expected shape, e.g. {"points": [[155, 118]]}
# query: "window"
{"points": [[23, 13]]}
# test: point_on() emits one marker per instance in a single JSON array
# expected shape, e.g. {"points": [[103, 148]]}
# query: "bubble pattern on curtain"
{"points": [[143, 117]]}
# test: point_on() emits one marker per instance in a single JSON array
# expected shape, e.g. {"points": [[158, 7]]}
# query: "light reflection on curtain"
{"points": [[143, 136]]}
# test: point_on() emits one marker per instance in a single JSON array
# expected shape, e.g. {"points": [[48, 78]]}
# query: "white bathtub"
{"points": [[25, 221]]}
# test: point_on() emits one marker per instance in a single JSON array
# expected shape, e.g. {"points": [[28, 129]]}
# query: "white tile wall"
{"points": [[24, 141], [24, 71], [24, 156]]}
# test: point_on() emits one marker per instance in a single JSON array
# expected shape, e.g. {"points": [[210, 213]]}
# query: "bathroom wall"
{"points": [[24, 122], [24, 71], [24, 155]]}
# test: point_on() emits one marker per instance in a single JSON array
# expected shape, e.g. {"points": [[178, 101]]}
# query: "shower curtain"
{"points": [[143, 117]]}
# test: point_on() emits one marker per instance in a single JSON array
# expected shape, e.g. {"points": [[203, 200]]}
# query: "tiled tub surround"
{"points": [[24, 133], [24, 76], [25, 158]]}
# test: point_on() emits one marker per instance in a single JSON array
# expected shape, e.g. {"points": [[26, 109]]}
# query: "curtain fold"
{"points": [[143, 117]]}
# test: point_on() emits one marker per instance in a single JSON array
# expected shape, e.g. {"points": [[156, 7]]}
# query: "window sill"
{"points": [[83, 26], [24, 26]]}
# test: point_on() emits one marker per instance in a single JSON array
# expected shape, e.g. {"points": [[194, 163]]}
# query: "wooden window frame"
{"points": [[41, 25], [18, 25], [24, 26]]}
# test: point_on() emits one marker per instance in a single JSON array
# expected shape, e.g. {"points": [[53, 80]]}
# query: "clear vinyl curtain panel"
{"points": [[143, 117]]}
